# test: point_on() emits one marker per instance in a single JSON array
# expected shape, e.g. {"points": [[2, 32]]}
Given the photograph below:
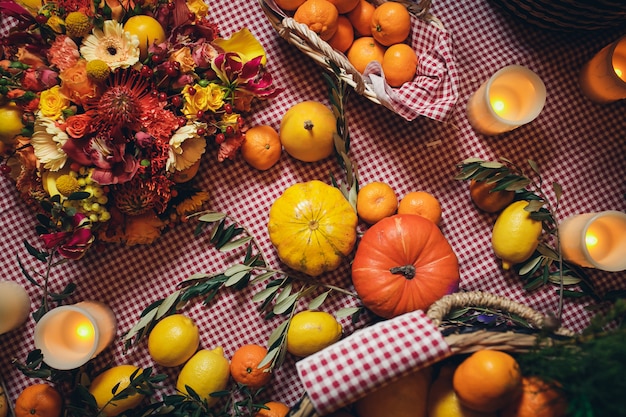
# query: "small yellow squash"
{"points": [[313, 227]]}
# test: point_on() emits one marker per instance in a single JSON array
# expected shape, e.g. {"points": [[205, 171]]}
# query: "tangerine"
{"points": [[261, 148], [343, 38], [244, 366], [320, 16], [399, 64], [274, 409], [421, 203], [363, 51], [344, 6], [486, 199], [375, 201], [538, 399], [39, 400], [487, 380], [361, 18], [289, 5], [391, 23]]}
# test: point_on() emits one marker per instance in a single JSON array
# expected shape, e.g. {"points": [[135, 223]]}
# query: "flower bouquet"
{"points": [[109, 108]]}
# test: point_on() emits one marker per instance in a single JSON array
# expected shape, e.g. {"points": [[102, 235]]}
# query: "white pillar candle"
{"points": [[69, 336], [595, 240], [512, 97], [603, 78], [14, 306]]}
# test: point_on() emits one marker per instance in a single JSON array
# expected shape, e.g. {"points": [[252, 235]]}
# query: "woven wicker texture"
{"points": [[568, 15], [432, 93]]}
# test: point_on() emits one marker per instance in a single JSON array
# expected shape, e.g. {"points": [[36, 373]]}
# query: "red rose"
{"points": [[78, 126]]}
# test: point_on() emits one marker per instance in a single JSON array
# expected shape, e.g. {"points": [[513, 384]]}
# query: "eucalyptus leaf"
{"points": [[346, 312], [235, 244], [278, 334], [262, 277], [263, 294], [472, 160], [141, 324], [167, 304], [269, 357], [531, 265], [318, 301], [567, 279], [491, 164], [548, 252], [235, 278], [285, 304], [466, 174], [534, 205], [235, 269], [212, 217], [286, 292]]}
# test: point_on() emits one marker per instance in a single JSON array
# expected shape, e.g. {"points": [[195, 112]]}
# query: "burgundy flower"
{"points": [[72, 244], [248, 77]]}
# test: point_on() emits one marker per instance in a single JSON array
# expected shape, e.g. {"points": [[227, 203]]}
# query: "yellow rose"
{"points": [[198, 7], [52, 103], [184, 58], [206, 98]]}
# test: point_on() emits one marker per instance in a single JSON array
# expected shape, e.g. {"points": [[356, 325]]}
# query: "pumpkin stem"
{"points": [[313, 225], [308, 125], [407, 270]]}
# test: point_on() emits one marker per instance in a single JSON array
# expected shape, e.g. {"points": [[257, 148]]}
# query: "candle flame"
{"points": [[618, 72], [84, 331], [591, 240], [498, 106]]}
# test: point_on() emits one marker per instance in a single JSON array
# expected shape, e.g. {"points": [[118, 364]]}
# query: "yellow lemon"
{"points": [[311, 331], [147, 29], [10, 122], [206, 372], [102, 386], [307, 131], [443, 402], [404, 397], [515, 235], [173, 340]]}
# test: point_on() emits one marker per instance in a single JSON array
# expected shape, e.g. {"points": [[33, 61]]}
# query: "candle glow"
{"points": [[84, 331]]}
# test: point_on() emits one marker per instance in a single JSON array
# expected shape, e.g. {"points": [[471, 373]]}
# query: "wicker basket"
{"points": [[309, 43], [569, 15], [464, 342]]}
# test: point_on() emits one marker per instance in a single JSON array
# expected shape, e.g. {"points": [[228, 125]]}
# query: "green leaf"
{"points": [[491, 164], [40, 255], [235, 269], [270, 356], [318, 301], [567, 279], [534, 167], [79, 195], [262, 277], [235, 244], [285, 304], [346, 312], [265, 293], [530, 266], [278, 334], [285, 293], [235, 278], [141, 325]]}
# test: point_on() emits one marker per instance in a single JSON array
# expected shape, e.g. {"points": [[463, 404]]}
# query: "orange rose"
{"points": [[76, 85], [78, 125]]}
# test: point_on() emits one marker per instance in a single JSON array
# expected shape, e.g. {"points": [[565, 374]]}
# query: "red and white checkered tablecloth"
{"points": [[577, 143]]}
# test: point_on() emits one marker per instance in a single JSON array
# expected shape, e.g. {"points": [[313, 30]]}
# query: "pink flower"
{"points": [[63, 53], [249, 77], [39, 79], [71, 244], [203, 55]]}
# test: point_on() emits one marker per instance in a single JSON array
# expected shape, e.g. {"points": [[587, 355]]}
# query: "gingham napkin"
{"points": [[367, 359]]}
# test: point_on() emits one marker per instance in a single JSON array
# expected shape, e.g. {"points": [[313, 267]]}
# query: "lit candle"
{"points": [[595, 240], [510, 98], [603, 78], [69, 336]]}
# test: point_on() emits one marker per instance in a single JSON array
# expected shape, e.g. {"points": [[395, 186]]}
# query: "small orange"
{"points": [[399, 64], [276, 409], [487, 380], [375, 201], [538, 399], [361, 18], [363, 51], [320, 16], [343, 38], [289, 5], [391, 23], [487, 200], [261, 148], [244, 366], [344, 6], [39, 400], [421, 203]]}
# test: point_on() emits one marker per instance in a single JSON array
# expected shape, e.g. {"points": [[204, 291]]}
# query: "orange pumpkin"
{"points": [[403, 263]]}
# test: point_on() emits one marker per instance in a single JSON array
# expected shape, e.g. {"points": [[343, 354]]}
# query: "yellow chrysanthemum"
{"points": [[77, 24], [67, 184], [98, 70]]}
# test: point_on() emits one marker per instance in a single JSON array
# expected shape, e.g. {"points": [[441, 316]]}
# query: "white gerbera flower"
{"points": [[48, 141], [186, 147], [119, 49]]}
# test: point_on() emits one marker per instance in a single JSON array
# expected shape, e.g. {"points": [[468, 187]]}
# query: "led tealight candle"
{"points": [[595, 240], [510, 98], [603, 78], [69, 336]]}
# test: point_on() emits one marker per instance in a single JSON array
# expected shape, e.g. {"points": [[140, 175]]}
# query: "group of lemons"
{"points": [[363, 31]]}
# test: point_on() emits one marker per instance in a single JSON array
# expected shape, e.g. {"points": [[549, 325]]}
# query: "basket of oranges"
{"points": [[394, 53], [470, 323]]}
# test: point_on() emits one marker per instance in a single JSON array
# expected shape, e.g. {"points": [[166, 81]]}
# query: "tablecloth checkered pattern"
{"points": [[577, 143], [340, 374]]}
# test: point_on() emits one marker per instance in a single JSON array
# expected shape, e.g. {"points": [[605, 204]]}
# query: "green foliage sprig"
{"points": [[546, 265]]}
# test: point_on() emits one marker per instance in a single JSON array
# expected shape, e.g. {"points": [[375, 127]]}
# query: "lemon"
{"points": [[307, 131], [10, 122], [442, 400], [147, 29], [14, 306], [404, 397], [102, 386], [206, 372], [515, 235], [173, 340], [311, 331]]}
